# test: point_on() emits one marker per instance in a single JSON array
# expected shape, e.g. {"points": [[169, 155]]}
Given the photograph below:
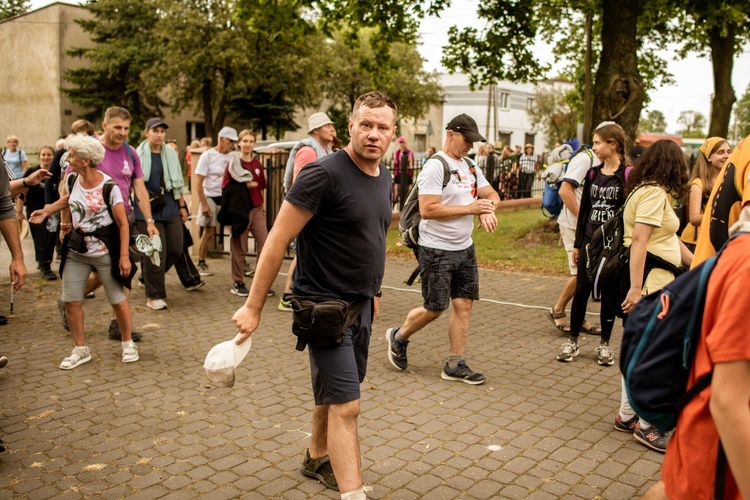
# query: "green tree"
{"points": [[353, 67], [222, 56], [554, 112], [653, 122], [693, 123], [11, 8], [718, 28], [125, 46], [742, 115], [628, 33]]}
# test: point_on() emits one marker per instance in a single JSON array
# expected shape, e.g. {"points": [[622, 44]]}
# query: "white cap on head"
{"points": [[317, 120], [229, 133]]}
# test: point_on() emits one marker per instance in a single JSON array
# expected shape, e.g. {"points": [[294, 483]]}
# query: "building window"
{"points": [[529, 103], [529, 138], [420, 142], [194, 130], [504, 100], [504, 137]]}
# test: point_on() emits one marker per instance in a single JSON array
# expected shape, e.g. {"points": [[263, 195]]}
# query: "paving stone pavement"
{"points": [[537, 429]]}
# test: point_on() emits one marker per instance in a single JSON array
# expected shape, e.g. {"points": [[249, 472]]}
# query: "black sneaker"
{"points": [[462, 373], [239, 288], [114, 332], [626, 425], [652, 437], [396, 349], [49, 274]]}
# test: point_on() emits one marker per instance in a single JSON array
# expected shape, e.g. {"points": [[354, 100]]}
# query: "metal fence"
{"points": [[499, 174]]}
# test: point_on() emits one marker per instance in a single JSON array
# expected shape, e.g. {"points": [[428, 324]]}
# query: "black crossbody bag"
{"points": [[323, 321]]}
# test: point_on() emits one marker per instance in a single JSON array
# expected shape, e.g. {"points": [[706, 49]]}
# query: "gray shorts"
{"points": [[447, 275], [338, 371], [76, 273], [213, 210]]}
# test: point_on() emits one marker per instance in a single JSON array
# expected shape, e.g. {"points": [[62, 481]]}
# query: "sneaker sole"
{"points": [[605, 363], [195, 287], [80, 362], [624, 429], [235, 292], [388, 337], [445, 376], [155, 308], [284, 308], [131, 360], [646, 443], [570, 358], [205, 273]]}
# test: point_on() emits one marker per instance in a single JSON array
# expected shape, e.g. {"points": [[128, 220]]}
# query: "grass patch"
{"points": [[523, 241]]}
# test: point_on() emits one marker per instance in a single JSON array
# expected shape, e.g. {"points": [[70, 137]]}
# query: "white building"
{"points": [[501, 110]]}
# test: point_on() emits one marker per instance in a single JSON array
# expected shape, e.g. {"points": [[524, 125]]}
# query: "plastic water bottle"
{"points": [[52, 222]]}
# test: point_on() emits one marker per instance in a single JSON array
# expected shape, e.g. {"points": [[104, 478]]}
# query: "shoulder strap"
{"points": [[446, 169], [129, 151], [70, 180]]}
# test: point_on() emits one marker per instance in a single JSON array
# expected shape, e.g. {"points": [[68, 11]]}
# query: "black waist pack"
{"points": [[323, 321]]}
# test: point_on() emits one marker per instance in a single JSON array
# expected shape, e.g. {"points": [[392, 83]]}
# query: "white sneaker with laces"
{"points": [[156, 304]]}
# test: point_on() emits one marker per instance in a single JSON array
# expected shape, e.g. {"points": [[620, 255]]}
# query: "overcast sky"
{"points": [[693, 75]]}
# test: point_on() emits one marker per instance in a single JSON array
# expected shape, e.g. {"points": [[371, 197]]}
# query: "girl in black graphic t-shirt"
{"points": [[603, 194]]}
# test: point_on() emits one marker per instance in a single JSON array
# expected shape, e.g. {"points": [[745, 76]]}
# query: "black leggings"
{"points": [[581, 299]]}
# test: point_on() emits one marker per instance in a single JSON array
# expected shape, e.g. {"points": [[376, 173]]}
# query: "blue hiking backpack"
{"points": [[553, 175], [658, 346]]}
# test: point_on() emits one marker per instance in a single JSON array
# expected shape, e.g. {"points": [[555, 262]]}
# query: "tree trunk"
{"points": [[618, 89], [722, 59], [208, 112], [587, 82]]}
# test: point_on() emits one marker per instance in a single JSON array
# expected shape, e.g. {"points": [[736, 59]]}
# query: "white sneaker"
{"points": [[156, 304], [79, 356], [130, 353]]}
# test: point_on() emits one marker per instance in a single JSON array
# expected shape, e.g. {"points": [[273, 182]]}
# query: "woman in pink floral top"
{"points": [[97, 242]]}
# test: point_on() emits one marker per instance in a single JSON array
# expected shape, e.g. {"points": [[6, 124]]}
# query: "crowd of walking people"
{"points": [[110, 209]]}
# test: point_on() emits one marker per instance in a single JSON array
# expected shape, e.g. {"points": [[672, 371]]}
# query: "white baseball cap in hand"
{"points": [[156, 254], [223, 358]]}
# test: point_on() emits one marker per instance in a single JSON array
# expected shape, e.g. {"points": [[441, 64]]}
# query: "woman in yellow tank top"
{"points": [[713, 154]]}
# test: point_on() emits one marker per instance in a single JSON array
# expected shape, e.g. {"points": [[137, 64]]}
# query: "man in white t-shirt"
{"points": [[208, 176], [446, 251], [571, 191]]}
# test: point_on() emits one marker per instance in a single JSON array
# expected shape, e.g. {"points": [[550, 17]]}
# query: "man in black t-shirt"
{"points": [[340, 208]]}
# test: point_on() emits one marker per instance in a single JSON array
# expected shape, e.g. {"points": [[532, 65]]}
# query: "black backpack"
{"points": [[608, 262]]}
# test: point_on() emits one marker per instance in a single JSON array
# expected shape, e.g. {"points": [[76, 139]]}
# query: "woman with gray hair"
{"points": [[98, 230]]}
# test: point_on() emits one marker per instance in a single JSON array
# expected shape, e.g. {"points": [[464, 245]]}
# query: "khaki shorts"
{"points": [[568, 239]]}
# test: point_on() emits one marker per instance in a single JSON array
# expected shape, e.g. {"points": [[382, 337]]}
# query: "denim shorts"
{"points": [[446, 275], [338, 371]]}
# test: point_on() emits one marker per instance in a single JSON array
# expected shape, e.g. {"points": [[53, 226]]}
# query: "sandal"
{"points": [[552, 315], [592, 330], [75, 359], [320, 469]]}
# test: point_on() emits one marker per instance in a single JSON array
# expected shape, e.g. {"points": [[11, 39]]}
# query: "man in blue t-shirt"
{"points": [[340, 208]]}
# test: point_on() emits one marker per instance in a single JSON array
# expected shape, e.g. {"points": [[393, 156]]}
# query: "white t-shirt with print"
{"points": [[454, 233], [578, 168], [89, 213], [212, 165]]}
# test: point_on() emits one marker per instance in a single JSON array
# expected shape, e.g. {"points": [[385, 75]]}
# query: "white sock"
{"points": [[128, 343], [644, 425], [358, 494], [81, 350]]}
